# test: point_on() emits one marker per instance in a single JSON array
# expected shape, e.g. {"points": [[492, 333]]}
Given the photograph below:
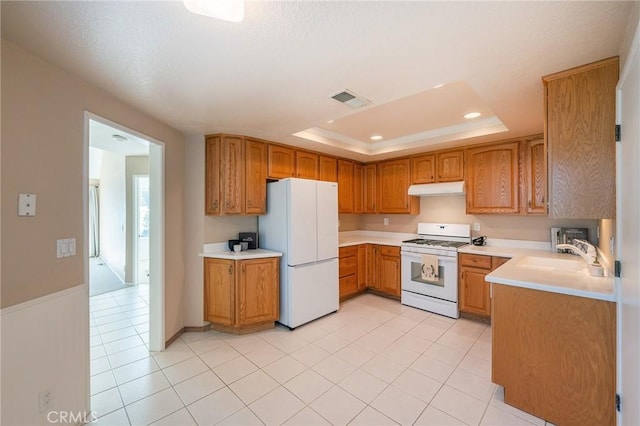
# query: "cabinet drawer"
{"points": [[475, 260], [348, 265], [348, 285], [498, 261], [347, 251], [389, 251]]}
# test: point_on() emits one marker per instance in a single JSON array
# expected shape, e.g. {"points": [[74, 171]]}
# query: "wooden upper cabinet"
{"points": [[534, 177], [232, 154], [307, 165], [369, 191], [213, 171], [255, 176], [492, 178], [235, 175], [423, 169], [345, 186], [580, 122], [282, 162], [450, 166], [394, 179], [358, 182], [328, 168]]}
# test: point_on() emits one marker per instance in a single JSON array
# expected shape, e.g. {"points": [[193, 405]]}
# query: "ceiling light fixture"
{"points": [[376, 137], [119, 138], [437, 86], [472, 115], [227, 10], [330, 121]]}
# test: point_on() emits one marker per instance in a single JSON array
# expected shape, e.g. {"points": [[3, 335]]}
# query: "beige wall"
{"points": [[42, 152], [112, 206], [451, 209]]}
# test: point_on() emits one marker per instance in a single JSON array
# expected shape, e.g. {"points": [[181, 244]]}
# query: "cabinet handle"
{"points": [[230, 270], [249, 203], [529, 204], [215, 204], [243, 265]]}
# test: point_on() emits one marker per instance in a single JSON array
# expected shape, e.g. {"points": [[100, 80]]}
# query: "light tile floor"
{"points": [[375, 362]]}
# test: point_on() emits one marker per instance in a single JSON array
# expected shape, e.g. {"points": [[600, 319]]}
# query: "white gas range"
{"points": [[430, 267]]}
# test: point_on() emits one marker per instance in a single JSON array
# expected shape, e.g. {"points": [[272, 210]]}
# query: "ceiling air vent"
{"points": [[351, 99]]}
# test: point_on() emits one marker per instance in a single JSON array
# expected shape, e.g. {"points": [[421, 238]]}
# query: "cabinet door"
{"points": [[328, 168], [212, 202], [345, 186], [492, 178], [372, 265], [389, 270], [281, 162], [258, 287], [362, 266], [534, 177], [423, 169], [450, 166], [256, 177], [233, 175], [218, 291], [358, 196], [580, 123], [474, 291], [394, 178], [369, 188], [306, 165]]}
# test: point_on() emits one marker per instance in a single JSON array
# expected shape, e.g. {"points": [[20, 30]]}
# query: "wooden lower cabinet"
{"points": [[555, 355], [241, 296], [349, 271], [369, 266], [474, 292], [389, 270]]}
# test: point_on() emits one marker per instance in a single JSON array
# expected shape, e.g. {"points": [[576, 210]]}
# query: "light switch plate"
{"points": [[26, 204], [65, 248]]}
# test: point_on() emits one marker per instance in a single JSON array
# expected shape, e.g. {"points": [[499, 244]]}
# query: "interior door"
{"points": [[628, 234]]}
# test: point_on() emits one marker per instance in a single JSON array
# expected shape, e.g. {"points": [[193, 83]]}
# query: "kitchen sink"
{"points": [[552, 264]]}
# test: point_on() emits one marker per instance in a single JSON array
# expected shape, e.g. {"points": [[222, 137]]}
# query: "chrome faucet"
{"points": [[582, 248]]}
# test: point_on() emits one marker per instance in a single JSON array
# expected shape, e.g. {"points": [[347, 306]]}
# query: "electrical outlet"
{"points": [[476, 226], [385, 221], [46, 400]]}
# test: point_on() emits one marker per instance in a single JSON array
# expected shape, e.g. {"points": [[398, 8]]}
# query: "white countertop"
{"points": [[579, 283], [352, 238], [221, 251]]}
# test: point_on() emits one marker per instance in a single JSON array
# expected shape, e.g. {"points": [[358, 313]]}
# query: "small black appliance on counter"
{"points": [[249, 237]]}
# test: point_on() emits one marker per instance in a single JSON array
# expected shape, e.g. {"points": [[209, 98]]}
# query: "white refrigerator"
{"points": [[302, 223]]}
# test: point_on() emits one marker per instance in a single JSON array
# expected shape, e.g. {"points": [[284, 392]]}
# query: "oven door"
{"points": [[446, 287]]}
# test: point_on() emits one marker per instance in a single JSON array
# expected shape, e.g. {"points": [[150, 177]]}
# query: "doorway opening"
{"points": [[124, 224]]}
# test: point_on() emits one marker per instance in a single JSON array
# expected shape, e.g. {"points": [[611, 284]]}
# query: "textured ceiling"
{"points": [[272, 75]]}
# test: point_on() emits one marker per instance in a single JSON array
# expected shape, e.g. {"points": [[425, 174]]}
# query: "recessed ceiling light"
{"points": [[376, 137], [472, 115], [330, 121], [119, 138], [437, 86]]}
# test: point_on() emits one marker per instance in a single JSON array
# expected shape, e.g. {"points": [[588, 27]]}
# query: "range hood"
{"points": [[431, 189]]}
